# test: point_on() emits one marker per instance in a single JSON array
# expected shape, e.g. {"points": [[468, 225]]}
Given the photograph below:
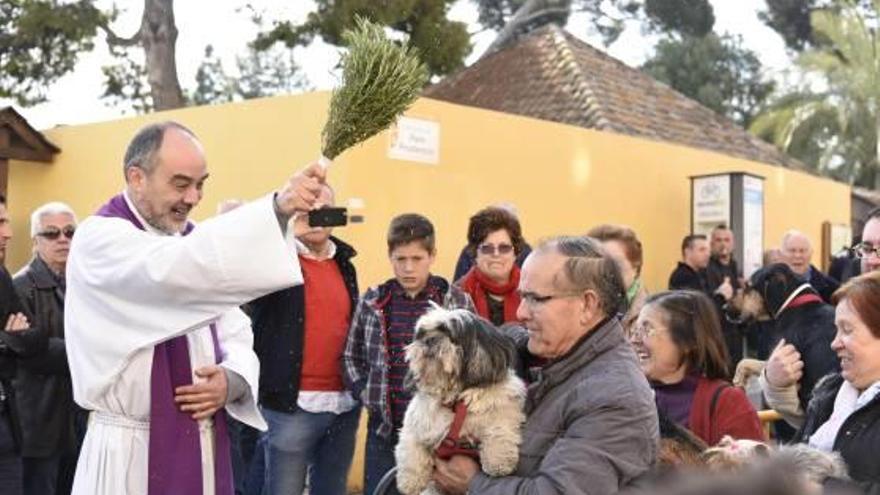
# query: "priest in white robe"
{"points": [[159, 351]]}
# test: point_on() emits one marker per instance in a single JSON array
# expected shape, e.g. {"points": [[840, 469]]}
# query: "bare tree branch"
{"points": [[116, 40]]}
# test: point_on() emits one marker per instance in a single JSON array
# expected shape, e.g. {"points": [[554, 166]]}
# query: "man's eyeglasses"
{"points": [[534, 300], [53, 233], [865, 250], [490, 249]]}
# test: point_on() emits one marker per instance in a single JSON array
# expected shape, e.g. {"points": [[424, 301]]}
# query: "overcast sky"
{"points": [[75, 98]]}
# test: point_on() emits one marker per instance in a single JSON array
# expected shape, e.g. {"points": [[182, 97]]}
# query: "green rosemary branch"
{"points": [[380, 79]]}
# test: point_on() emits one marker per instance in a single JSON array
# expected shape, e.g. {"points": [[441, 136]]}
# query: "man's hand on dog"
{"points": [[784, 367], [455, 475]]}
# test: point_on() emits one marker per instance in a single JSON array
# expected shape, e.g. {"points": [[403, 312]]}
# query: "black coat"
{"points": [[279, 330], [13, 346], [810, 329], [858, 437], [42, 384], [686, 278], [716, 271], [823, 284]]}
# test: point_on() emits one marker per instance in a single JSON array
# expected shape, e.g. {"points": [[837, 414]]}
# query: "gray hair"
{"points": [[588, 267], [788, 235], [53, 208], [144, 146]]}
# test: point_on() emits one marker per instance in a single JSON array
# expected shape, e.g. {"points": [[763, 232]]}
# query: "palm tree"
{"points": [[832, 121]]}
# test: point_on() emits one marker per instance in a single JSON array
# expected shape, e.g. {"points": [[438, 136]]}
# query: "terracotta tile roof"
{"points": [[551, 75]]}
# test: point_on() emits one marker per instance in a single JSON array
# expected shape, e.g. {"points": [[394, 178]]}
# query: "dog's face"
{"points": [[731, 454], [766, 292], [746, 305], [456, 350]]}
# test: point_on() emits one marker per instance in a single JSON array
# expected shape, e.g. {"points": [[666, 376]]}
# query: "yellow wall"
{"points": [[563, 179]]}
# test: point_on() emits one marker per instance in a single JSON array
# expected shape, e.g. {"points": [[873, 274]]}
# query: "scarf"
{"points": [[477, 284], [847, 401], [175, 461]]}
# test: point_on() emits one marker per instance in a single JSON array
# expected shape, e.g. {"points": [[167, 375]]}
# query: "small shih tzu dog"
{"points": [[467, 399]]}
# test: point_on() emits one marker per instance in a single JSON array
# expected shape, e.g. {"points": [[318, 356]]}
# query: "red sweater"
{"points": [[326, 325], [733, 415]]}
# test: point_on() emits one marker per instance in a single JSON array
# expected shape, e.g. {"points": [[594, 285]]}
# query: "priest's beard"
{"points": [[164, 222]]}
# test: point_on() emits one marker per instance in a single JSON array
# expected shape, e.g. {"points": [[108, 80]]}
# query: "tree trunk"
{"points": [[158, 37], [531, 15]]}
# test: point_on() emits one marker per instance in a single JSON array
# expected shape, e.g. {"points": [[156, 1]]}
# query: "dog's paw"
{"points": [[501, 466], [409, 484]]}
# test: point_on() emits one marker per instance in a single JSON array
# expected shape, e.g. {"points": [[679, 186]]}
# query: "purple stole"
{"points": [[175, 462]]}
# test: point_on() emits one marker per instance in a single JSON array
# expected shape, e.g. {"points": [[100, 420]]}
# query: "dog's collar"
{"points": [[790, 298]]}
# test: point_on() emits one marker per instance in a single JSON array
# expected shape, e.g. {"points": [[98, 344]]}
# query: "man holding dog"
{"points": [[591, 422]]}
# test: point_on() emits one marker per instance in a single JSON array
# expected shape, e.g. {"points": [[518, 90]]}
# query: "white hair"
{"points": [[795, 233], [53, 208]]}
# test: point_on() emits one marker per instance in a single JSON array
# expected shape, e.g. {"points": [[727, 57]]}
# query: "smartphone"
{"points": [[328, 216]]}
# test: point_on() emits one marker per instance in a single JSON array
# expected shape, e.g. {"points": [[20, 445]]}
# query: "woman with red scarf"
{"points": [[495, 239]]}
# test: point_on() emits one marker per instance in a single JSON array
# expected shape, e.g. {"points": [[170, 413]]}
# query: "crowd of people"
{"points": [[142, 354]]}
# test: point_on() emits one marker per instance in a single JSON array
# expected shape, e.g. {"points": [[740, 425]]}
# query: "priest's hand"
{"points": [[301, 192], [204, 398], [454, 476]]}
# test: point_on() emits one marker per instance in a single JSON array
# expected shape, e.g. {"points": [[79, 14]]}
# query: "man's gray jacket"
{"points": [[591, 423]]}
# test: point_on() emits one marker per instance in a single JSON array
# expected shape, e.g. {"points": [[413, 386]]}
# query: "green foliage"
{"points": [[832, 121], [39, 43], [259, 74], [791, 19], [716, 71], [380, 79], [125, 83], [442, 44], [689, 17], [609, 17]]}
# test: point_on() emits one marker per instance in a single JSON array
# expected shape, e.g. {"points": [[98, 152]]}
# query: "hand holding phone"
{"points": [[328, 216]]}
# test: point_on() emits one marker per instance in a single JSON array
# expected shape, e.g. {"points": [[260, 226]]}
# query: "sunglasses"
{"points": [[491, 249], [54, 233]]}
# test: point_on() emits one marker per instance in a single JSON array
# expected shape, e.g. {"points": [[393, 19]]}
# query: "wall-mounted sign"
{"points": [[735, 199], [415, 140], [752, 224], [711, 202]]}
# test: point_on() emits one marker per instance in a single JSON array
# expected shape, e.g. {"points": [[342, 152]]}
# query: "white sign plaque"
{"points": [[415, 140]]}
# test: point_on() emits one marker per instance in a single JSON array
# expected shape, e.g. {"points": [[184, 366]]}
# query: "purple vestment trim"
{"points": [[175, 462]]}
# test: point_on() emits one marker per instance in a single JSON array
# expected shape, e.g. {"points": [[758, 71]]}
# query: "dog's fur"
{"points": [[811, 466], [809, 328], [456, 355]]}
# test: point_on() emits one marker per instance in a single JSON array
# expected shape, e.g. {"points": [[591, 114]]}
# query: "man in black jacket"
{"points": [[17, 340], [299, 336], [42, 384]]}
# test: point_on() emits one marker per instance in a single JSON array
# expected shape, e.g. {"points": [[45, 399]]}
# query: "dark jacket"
{"points": [[823, 284], [686, 278], [42, 384], [14, 346], [810, 329], [279, 330], [858, 437], [716, 271], [591, 422]]}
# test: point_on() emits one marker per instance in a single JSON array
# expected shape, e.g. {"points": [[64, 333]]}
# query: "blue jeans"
{"points": [[379, 455], [323, 443]]}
